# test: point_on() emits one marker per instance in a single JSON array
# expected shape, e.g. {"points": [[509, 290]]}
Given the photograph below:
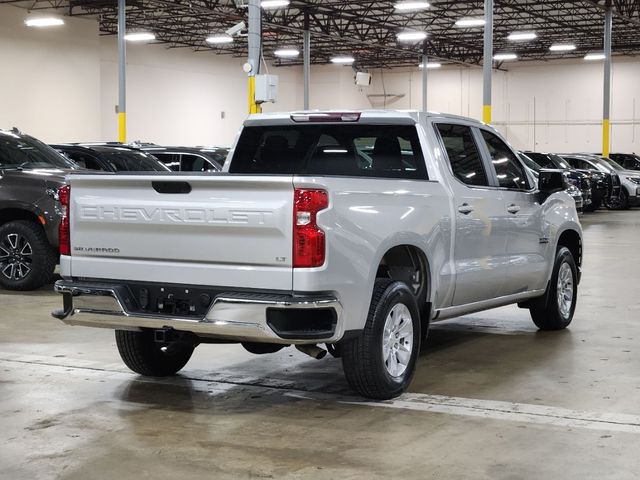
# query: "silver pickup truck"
{"points": [[353, 230]]}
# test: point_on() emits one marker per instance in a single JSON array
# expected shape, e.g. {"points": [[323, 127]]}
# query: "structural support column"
{"points": [[487, 62], [607, 83], [306, 53], [424, 82], [122, 72], [255, 39]]}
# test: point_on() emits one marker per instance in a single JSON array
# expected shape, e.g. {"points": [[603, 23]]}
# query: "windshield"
{"points": [[559, 162], [23, 151], [614, 164], [530, 163], [132, 161]]}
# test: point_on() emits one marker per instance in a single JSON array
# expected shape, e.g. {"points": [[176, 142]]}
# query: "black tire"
{"points": [[624, 200], [596, 203], [546, 311], [362, 357], [142, 354], [31, 264]]}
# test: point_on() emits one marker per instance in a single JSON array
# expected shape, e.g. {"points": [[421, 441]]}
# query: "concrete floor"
{"points": [[492, 398]]}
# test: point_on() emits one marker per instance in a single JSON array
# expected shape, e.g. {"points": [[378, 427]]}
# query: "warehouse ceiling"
{"points": [[367, 30]]}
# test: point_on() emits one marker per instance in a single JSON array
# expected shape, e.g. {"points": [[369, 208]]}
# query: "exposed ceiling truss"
{"points": [[367, 29]]}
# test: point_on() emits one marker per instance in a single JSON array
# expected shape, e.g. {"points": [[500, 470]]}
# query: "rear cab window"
{"points": [[382, 151]]}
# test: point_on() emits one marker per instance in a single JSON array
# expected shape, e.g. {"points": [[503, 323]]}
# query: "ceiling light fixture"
{"points": [[286, 52], [470, 22], [219, 39], [505, 56], [411, 6], [411, 36], [343, 60], [44, 22], [431, 65], [595, 56], [562, 47], [140, 37], [522, 36], [274, 3]]}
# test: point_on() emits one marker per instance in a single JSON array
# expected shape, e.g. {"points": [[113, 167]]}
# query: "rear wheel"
{"points": [[380, 363], [27, 260], [554, 310], [142, 354]]}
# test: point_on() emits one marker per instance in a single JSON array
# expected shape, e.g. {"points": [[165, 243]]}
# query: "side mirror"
{"points": [[550, 182]]}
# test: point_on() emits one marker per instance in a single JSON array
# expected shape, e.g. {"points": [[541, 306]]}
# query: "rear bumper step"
{"points": [[242, 316]]}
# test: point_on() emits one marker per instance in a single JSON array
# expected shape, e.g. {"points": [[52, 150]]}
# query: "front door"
{"points": [[480, 247], [527, 243]]}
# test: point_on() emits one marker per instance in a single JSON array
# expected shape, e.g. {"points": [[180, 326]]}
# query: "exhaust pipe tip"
{"points": [[313, 351]]}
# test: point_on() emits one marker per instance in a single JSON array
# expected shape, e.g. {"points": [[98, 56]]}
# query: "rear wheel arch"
{"points": [[398, 262]]}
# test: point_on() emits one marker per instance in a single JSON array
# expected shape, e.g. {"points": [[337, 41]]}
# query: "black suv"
{"points": [[584, 181], [611, 188], [31, 173], [111, 158], [187, 159]]}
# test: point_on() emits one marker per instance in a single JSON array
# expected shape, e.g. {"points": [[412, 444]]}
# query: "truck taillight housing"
{"points": [[64, 234], [308, 239]]}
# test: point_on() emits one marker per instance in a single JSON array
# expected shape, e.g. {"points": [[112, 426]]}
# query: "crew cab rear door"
{"points": [[213, 230]]}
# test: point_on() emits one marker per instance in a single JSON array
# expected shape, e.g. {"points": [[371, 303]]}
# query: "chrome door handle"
{"points": [[465, 209], [513, 208]]}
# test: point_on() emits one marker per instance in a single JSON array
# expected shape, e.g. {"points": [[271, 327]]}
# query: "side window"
{"points": [[193, 163], [169, 159], [84, 160], [509, 170], [464, 157]]}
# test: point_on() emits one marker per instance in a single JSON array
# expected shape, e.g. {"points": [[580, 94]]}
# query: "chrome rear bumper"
{"points": [[232, 315]]}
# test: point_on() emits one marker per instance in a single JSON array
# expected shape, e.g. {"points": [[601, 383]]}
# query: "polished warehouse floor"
{"points": [[492, 398]]}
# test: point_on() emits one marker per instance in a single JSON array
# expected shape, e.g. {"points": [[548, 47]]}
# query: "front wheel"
{"points": [[554, 310], [380, 363], [142, 354]]}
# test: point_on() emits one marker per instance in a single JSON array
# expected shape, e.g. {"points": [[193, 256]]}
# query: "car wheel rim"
{"points": [[565, 289], [16, 257], [397, 340]]}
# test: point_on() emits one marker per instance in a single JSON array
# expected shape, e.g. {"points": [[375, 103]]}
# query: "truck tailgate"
{"points": [[214, 230]]}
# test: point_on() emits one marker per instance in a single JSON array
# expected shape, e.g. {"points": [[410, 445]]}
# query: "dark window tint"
{"points": [[464, 157], [83, 159], [23, 151], [391, 151], [169, 159], [196, 163], [579, 164], [509, 170], [526, 159], [132, 161]]}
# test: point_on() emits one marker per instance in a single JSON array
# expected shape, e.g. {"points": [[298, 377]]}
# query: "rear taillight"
{"points": [[308, 239], [64, 234]]}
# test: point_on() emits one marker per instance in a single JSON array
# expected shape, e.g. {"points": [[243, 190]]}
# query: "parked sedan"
{"points": [[186, 159], [630, 161], [582, 181], [591, 163], [111, 158]]}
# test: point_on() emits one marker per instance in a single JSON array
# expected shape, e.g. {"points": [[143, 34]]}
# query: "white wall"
{"points": [[61, 84], [49, 78]]}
